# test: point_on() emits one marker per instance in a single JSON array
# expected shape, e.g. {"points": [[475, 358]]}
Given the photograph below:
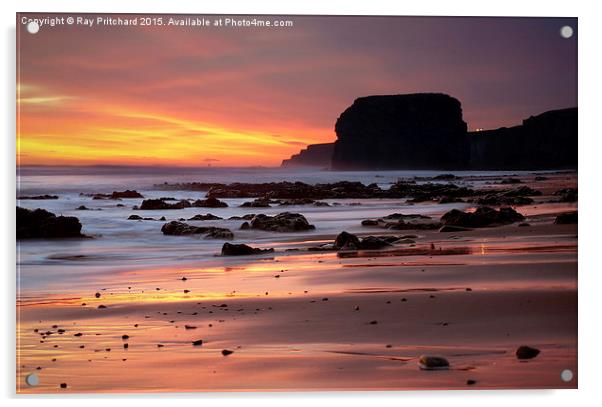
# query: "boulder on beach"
{"points": [[482, 217], [566, 218], [40, 223], [426, 362], [526, 352], [373, 243], [175, 228], [229, 249], [346, 241], [283, 222], [135, 217]]}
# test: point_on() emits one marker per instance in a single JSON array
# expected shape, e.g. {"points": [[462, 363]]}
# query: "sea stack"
{"points": [[413, 131]]}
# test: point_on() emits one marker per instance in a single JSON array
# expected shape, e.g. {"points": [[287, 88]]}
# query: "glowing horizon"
{"points": [[192, 97]]}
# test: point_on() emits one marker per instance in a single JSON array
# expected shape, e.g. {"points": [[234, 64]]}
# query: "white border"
{"points": [[590, 281]]}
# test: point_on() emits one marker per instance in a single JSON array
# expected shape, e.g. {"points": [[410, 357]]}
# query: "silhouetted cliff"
{"points": [[546, 141], [426, 131], [422, 130], [315, 155]]}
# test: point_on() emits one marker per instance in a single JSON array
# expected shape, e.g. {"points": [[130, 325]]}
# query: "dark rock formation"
{"points": [[433, 363], [257, 203], [37, 197], [155, 204], [566, 218], [526, 352], [175, 228], [426, 131], [567, 194], [126, 194], [482, 217], [210, 202], [518, 196], [346, 241], [40, 223], [283, 222], [208, 216], [314, 155], [229, 249], [414, 131], [548, 140]]}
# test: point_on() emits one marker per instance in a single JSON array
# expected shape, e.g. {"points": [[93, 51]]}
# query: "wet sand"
{"points": [[298, 320]]}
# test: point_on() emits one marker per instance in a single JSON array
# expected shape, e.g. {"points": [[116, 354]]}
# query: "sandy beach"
{"points": [[297, 319]]}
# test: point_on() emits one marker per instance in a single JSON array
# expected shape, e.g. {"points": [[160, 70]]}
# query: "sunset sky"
{"points": [[190, 96]]}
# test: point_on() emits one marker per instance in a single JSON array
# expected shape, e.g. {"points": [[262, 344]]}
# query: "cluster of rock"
{"points": [[283, 222], [175, 228], [40, 223], [158, 204], [299, 193], [115, 195], [482, 217], [398, 221], [452, 221]]}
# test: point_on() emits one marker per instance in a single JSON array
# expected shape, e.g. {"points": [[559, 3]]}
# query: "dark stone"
{"points": [[135, 217], [208, 216], [567, 194], [373, 243], [482, 217], [526, 352], [37, 197], [229, 249], [566, 218], [40, 223], [369, 222], [82, 208], [245, 226], [198, 342], [257, 203], [156, 204], [126, 194], [209, 203], [346, 241], [227, 352], [283, 222], [175, 228], [413, 131], [433, 363]]}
